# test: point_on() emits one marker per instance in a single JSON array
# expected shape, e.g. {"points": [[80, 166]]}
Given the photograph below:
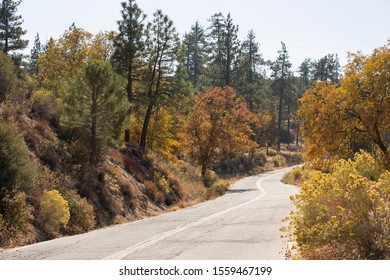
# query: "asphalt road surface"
{"points": [[243, 224]]}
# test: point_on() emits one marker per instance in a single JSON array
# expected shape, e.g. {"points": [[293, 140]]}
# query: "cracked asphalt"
{"points": [[243, 224]]}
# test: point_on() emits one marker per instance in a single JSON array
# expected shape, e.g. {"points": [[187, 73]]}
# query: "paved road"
{"points": [[243, 224]]}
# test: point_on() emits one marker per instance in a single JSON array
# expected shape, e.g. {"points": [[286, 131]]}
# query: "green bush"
{"points": [[82, 216], [43, 104], [210, 178], [7, 76], [344, 214], [219, 188], [242, 163], [279, 161], [272, 152], [54, 212], [16, 169]]}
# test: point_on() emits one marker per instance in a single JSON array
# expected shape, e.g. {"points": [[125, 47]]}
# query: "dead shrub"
{"points": [[152, 191], [15, 220]]}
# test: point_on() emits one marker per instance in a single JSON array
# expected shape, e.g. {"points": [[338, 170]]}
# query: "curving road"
{"points": [[243, 224]]}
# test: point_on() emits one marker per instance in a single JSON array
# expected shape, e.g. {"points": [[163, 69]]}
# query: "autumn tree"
{"points": [[11, 30], [65, 56], [350, 117], [218, 125], [129, 46], [101, 113], [162, 50]]}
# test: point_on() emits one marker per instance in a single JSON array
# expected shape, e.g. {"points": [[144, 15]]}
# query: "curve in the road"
{"points": [[142, 245]]}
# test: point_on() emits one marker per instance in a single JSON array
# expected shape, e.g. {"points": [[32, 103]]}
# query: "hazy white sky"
{"points": [[310, 28]]}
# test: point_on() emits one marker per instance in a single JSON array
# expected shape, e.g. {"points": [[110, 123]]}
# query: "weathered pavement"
{"points": [[243, 224]]}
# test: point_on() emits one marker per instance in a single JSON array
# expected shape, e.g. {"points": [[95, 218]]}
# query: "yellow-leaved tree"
{"points": [[218, 125], [338, 121], [63, 57]]}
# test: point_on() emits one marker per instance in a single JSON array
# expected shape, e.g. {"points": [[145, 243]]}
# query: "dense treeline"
{"points": [[207, 99]]}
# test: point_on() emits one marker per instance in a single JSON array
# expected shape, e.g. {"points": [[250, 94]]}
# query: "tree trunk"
{"points": [[297, 137], [278, 140], [145, 127], [288, 124], [129, 90], [93, 155]]}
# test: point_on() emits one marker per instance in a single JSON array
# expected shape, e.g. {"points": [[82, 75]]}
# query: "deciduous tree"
{"points": [[338, 121], [219, 125]]}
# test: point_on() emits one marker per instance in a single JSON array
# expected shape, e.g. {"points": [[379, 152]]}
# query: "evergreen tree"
{"points": [[252, 59], [327, 69], [36, 51], [196, 53], [10, 27], [281, 72], [162, 49], [249, 75], [129, 45], [100, 115], [305, 71], [224, 48]]}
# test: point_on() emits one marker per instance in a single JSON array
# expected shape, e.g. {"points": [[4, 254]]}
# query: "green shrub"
{"points": [[54, 212], [210, 178], [344, 214], [241, 163], [279, 161], [82, 216], [162, 182], [43, 104], [16, 169], [7, 76], [219, 188], [272, 152]]}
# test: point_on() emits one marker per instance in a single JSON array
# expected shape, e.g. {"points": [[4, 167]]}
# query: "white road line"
{"points": [[144, 244]]}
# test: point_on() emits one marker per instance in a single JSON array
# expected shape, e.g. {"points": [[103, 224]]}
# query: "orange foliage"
{"points": [[338, 121], [219, 125]]}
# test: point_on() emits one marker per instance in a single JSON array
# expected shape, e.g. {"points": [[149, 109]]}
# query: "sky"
{"points": [[309, 28]]}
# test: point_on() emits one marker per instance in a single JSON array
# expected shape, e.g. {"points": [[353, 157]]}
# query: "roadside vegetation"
{"points": [[99, 129], [343, 208]]}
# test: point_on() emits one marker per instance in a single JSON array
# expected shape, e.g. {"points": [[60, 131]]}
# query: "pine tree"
{"points": [[196, 53], [224, 48], [101, 113], [327, 69], [129, 45], [162, 48], [36, 51], [10, 27], [252, 59], [281, 72], [305, 71]]}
